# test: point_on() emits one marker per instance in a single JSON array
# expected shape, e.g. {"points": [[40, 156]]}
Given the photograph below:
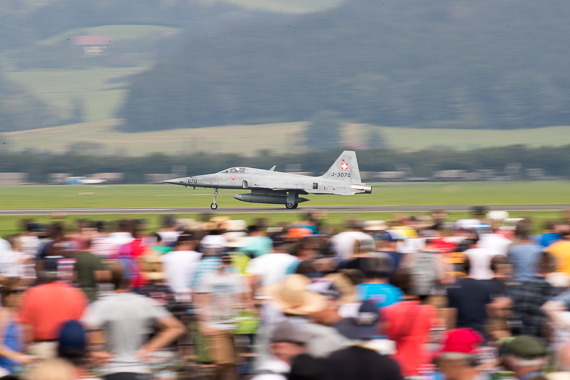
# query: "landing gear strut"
{"points": [[214, 205]]}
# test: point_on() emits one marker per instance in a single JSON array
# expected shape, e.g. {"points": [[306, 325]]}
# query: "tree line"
{"points": [[555, 161], [414, 63]]}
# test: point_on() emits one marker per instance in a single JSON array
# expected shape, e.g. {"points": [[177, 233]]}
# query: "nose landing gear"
{"points": [[214, 205]]}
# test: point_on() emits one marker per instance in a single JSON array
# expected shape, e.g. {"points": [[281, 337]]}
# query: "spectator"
{"points": [[123, 236], [458, 360], [12, 343], [45, 308], [168, 233], [180, 264], [561, 250], [88, 272], [524, 254], [343, 243], [53, 369], [550, 234], [527, 299], [467, 302], [360, 361], [427, 269], [218, 297], [72, 346], [409, 323], [480, 257], [526, 356], [127, 319], [287, 342], [272, 268], [563, 364], [256, 243], [376, 286]]}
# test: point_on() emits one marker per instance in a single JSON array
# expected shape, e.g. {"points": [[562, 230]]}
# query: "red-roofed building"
{"points": [[92, 45]]}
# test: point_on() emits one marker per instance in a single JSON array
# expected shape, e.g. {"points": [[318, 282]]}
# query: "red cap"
{"points": [[465, 341]]}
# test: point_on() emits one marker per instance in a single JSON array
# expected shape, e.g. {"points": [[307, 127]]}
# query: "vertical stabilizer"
{"points": [[345, 168]]}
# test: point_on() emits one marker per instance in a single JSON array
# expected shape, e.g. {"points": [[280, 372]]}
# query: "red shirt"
{"points": [[409, 325], [46, 307]]}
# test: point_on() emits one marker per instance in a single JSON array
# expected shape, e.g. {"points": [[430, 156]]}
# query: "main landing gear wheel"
{"points": [[214, 205], [291, 206]]}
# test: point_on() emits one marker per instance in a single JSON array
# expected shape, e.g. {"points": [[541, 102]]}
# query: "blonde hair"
{"points": [[52, 369]]}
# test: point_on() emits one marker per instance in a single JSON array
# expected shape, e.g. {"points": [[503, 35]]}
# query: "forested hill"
{"points": [[445, 63]]}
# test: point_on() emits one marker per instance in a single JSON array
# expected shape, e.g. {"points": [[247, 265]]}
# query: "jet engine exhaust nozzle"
{"points": [[361, 189]]}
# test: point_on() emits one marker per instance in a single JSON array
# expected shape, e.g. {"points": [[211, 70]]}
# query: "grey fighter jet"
{"points": [[270, 186]]}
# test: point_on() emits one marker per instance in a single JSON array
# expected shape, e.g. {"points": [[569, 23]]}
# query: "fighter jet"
{"points": [[270, 186]]}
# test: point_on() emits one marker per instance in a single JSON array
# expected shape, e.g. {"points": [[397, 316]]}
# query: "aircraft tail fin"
{"points": [[345, 168]]}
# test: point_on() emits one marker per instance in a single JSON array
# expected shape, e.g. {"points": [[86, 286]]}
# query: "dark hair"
{"points": [[404, 280], [125, 225], [253, 228], [498, 260], [547, 263], [464, 267], [100, 226], [185, 237], [522, 229], [478, 210], [117, 275], [355, 276], [376, 267]]}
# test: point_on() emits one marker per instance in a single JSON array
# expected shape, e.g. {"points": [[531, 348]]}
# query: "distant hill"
{"points": [[450, 64]]}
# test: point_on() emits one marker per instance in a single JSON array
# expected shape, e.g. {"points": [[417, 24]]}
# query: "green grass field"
{"points": [[245, 139], [280, 138], [460, 193], [58, 87], [174, 196]]}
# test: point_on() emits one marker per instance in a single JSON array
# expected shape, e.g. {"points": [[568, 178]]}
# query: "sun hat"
{"points": [[293, 297]]}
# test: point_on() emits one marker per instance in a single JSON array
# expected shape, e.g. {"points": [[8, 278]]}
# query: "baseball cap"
{"points": [[463, 340], [286, 332], [526, 347], [72, 342], [364, 325]]}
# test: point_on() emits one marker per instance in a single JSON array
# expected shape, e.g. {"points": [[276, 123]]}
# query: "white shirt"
{"points": [[168, 236], [495, 242], [271, 267], [120, 238], [178, 267], [343, 243], [30, 244], [481, 262]]}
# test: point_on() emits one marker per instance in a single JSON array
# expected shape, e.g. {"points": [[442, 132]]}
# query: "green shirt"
{"points": [[86, 264]]}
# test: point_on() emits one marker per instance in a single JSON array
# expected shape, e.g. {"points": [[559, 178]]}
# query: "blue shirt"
{"points": [[524, 258], [383, 294]]}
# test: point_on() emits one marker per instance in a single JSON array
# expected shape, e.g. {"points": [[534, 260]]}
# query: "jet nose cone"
{"points": [[175, 181]]}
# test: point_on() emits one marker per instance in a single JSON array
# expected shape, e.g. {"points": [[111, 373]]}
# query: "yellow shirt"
{"points": [[561, 250]]}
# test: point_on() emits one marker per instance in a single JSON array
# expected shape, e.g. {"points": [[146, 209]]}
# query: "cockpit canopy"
{"points": [[234, 170]]}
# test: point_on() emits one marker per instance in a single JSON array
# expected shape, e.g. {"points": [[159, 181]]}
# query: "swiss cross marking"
{"points": [[344, 166]]}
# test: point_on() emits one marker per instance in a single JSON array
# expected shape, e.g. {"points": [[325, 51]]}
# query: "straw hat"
{"points": [[152, 267], [292, 297]]}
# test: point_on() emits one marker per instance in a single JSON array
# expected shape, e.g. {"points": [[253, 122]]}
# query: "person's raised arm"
{"points": [[170, 329]]}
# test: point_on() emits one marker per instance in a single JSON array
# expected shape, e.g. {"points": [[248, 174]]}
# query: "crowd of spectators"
{"points": [[418, 297]]}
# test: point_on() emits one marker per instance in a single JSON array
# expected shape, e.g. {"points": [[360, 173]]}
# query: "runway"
{"points": [[274, 209]]}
